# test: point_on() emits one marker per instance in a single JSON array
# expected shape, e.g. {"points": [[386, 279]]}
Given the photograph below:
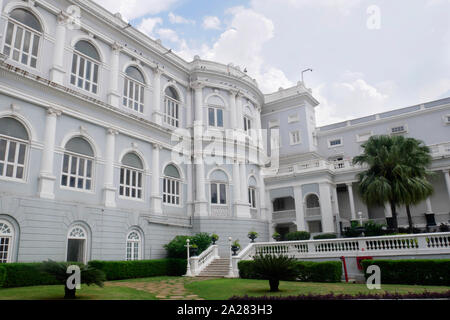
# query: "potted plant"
{"points": [[276, 236], [252, 235], [214, 238], [235, 246], [193, 249]]}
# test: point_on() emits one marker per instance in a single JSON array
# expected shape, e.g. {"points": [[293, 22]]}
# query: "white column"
{"points": [[189, 184], [244, 210], [157, 107], [429, 208], [335, 204], [239, 113], [58, 71], [46, 177], [113, 94], [198, 101], [109, 188], [352, 200], [200, 201], [233, 111], [326, 207], [189, 110], [387, 210], [236, 185], [156, 193], [447, 181], [262, 193], [299, 210]]}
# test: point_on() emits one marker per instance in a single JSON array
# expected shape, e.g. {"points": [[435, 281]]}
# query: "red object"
{"points": [[359, 259], [345, 268]]}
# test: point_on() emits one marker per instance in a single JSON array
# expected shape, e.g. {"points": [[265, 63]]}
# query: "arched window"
{"points": [[219, 188], [131, 175], [14, 143], [215, 112], [85, 66], [77, 244], [312, 201], [6, 241], [252, 192], [77, 171], [171, 185], [133, 89], [172, 107], [23, 35], [134, 246]]}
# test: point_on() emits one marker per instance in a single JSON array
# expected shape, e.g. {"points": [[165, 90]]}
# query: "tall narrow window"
{"points": [[6, 241], [14, 143], [133, 89], [172, 107], [22, 38], [77, 171], [76, 245], [247, 124], [215, 117], [131, 177], [133, 246], [252, 197], [85, 67], [171, 186], [218, 193]]}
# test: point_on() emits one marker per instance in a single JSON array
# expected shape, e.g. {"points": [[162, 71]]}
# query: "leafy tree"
{"points": [[275, 268], [58, 270], [397, 173]]}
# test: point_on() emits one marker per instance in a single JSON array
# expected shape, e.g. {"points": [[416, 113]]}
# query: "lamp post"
{"points": [[230, 267], [360, 218], [188, 271]]}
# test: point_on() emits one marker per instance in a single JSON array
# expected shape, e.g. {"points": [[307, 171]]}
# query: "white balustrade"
{"points": [[401, 245], [199, 263]]}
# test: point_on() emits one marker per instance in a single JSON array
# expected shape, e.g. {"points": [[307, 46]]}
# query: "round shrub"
{"points": [[298, 235], [176, 248], [202, 240]]}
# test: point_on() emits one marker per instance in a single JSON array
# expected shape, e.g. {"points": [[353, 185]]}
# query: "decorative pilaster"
{"points": [[299, 210], [201, 209], [335, 204], [57, 70], [109, 190], [447, 181], [156, 197], [244, 208], [113, 94], [240, 112], [46, 176], [157, 107], [233, 111]]}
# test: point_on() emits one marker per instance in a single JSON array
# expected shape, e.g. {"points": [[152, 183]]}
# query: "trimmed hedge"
{"points": [[24, 275], [298, 235], [415, 272], [325, 236], [118, 270], [328, 271]]}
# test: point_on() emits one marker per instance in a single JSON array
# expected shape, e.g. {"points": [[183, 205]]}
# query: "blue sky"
{"points": [[367, 56]]}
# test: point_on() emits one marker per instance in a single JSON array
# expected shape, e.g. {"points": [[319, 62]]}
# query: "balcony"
{"points": [[284, 216]]}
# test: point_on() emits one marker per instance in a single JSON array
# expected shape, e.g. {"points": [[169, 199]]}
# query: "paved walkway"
{"points": [[171, 289]]}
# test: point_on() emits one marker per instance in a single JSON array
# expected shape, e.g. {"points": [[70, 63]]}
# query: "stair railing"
{"points": [[199, 263]]}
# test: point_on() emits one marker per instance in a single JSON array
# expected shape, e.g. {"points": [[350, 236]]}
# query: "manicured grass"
{"points": [[86, 293], [223, 289]]}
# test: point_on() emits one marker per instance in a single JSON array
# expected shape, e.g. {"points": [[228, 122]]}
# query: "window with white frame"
{"points": [[172, 107], [247, 123], [131, 177], [215, 117], [172, 186], [447, 119], [133, 89], [134, 246], [218, 193], [77, 244], [336, 142], [77, 170], [6, 241], [23, 35], [252, 192], [85, 67], [295, 137], [14, 143], [399, 129]]}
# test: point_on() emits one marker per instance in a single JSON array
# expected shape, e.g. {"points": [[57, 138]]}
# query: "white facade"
{"points": [[103, 151]]}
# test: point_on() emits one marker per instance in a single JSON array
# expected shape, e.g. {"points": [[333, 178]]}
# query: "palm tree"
{"points": [[274, 268], [397, 173]]}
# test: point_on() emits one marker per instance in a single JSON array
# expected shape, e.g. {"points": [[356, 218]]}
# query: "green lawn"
{"points": [[217, 289], [220, 289]]}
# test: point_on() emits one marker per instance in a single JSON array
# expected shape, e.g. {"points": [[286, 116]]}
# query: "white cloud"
{"points": [[168, 34], [435, 90], [341, 6], [175, 19], [131, 9], [211, 22], [148, 25]]}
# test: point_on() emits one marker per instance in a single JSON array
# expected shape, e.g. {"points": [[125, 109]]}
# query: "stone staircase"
{"points": [[219, 268]]}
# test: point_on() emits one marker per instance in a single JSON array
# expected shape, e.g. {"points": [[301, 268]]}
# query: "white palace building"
{"points": [[111, 145]]}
